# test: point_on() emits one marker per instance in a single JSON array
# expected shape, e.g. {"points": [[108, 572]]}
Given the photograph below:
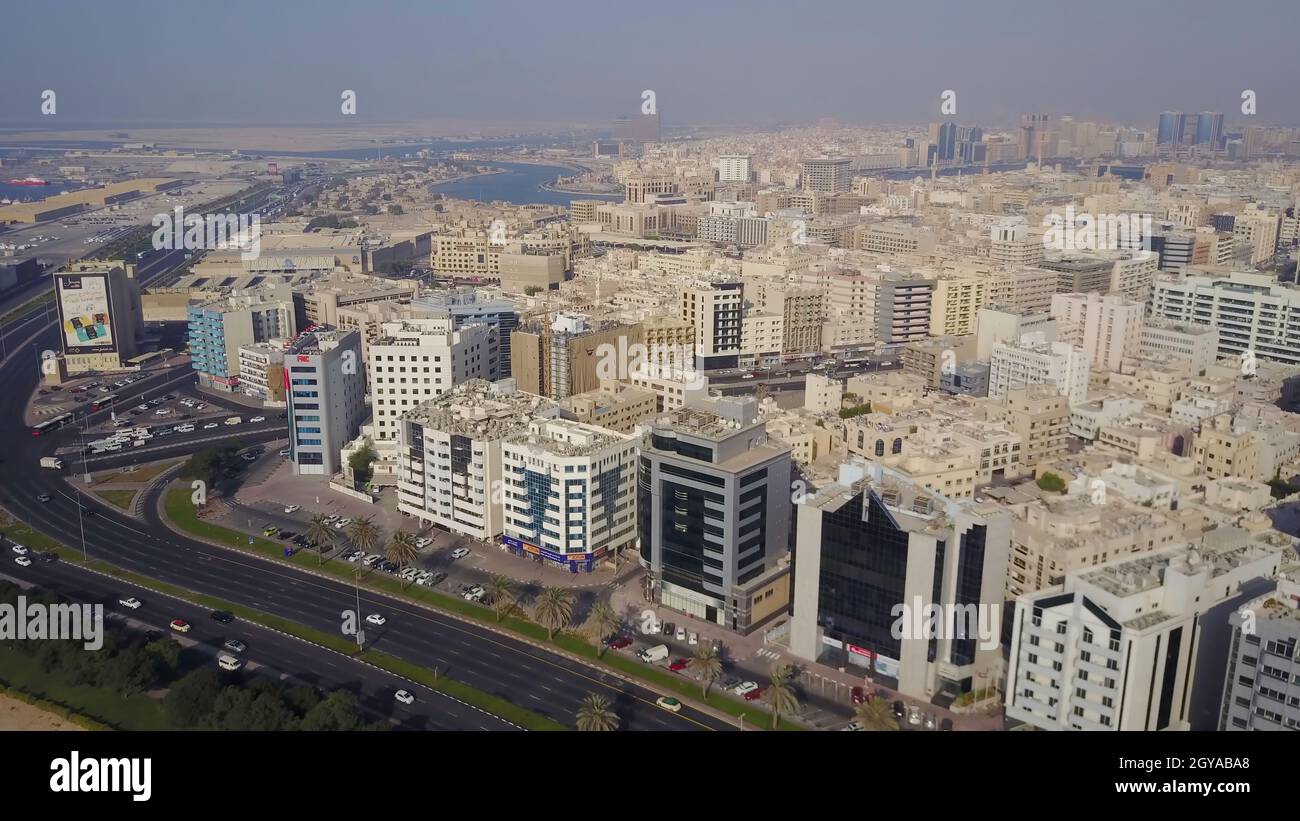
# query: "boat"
{"points": [[27, 181]]}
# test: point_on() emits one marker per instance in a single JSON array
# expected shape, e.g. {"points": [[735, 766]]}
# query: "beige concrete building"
{"points": [[1040, 416], [614, 405]]}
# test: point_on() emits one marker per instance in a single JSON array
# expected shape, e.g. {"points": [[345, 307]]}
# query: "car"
{"points": [[668, 628], [853, 727], [857, 695], [404, 697], [929, 721], [44, 497], [354, 556], [745, 688], [899, 709], [292, 508], [284, 451], [945, 725], [436, 578], [730, 683], [692, 638], [180, 625], [331, 519], [460, 553], [753, 695], [475, 593], [269, 531], [19, 549], [913, 715], [234, 645], [131, 603], [248, 457], [258, 419], [376, 619], [747, 376], [418, 576], [210, 426], [342, 523], [669, 703], [408, 573], [681, 634], [22, 561], [48, 557], [222, 616], [288, 536], [678, 665], [163, 412], [423, 542], [618, 642]]}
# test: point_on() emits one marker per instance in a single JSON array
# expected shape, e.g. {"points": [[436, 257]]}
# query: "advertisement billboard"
{"points": [[85, 312]]}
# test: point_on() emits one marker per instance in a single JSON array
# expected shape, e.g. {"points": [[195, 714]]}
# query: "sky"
{"points": [[184, 62]]}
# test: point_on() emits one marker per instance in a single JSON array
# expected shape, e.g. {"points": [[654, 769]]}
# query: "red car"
{"points": [[678, 665], [858, 696], [620, 642], [754, 695]]}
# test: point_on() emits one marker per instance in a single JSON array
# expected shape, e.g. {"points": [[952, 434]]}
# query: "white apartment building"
{"points": [[762, 339], [1015, 246], [1108, 328], [261, 371], [415, 360], [1256, 232], [734, 168], [1133, 275], [449, 464], [1113, 647], [570, 493], [1088, 418], [1197, 344], [1252, 312], [1035, 362]]}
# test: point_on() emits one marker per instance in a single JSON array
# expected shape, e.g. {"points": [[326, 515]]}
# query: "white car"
{"points": [[210, 426], [342, 523], [404, 697], [475, 593], [423, 542], [20, 550], [693, 638], [745, 687], [376, 619], [408, 573], [292, 508], [747, 376], [460, 553], [681, 634], [23, 561], [258, 419], [163, 412], [131, 603]]}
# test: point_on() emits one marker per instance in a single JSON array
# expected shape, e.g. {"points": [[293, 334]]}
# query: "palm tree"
{"points": [[321, 534], [875, 715], [604, 623], [401, 548], [501, 592], [554, 610], [595, 715], [706, 665], [779, 695], [364, 534]]}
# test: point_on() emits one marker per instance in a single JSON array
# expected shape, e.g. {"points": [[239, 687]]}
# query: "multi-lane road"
{"points": [[537, 679]]}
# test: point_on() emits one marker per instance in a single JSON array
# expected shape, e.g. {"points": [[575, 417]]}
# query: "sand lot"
{"points": [[18, 715]]}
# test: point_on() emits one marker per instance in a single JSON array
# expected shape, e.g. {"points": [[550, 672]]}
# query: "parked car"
{"points": [[619, 642], [857, 695], [945, 725], [754, 695], [745, 688], [678, 665], [681, 634], [22, 561], [899, 709]]}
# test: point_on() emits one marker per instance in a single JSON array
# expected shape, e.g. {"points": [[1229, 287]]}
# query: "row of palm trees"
{"points": [[365, 535]]}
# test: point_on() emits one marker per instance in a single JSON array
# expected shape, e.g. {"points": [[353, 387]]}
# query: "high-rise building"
{"points": [[1260, 688], [1253, 312], [480, 306], [566, 354], [325, 389], [1171, 128], [715, 513], [99, 315], [714, 310], [1108, 328], [1033, 129], [570, 493], [218, 329], [1114, 647], [734, 168], [875, 552], [1209, 129], [417, 359], [1033, 361], [1014, 246], [450, 472], [827, 174]]}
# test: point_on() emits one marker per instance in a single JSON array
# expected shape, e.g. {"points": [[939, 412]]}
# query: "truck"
{"points": [[52, 462], [650, 655]]}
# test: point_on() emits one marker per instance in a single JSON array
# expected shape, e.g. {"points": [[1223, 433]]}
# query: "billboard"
{"points": [[86, 313]]}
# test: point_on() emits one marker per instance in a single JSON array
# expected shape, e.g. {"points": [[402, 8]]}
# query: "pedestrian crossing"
{"points": [[768, 654], [54, 411]]}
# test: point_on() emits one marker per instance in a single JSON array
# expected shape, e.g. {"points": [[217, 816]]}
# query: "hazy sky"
{"points": [[137, 62]]}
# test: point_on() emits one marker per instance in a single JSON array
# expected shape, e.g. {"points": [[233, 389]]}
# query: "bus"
{"points": [[103, 402], [52, 424]]}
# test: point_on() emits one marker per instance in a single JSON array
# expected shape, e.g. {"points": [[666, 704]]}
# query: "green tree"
{"points": [[1051, 483], [401, 548], [779, 696], [190, 700], [706, 666], [501, 593], [604, 623], [596, 715], [364, 534], [320, 533], [361, 462], [532, 290], [876, 714], [338, 711], [554, 609]]}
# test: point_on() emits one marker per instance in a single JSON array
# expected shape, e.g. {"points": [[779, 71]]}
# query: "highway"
{"points": [[536, 679]]}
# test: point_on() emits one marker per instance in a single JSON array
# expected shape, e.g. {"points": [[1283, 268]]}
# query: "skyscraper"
{"points": [[1209, 128]]}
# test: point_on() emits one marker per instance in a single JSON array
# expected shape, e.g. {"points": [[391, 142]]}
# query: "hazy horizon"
{"points": [[157, 65]]}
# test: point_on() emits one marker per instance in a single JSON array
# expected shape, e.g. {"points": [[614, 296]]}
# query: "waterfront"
{"points": [[520, 184]]}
